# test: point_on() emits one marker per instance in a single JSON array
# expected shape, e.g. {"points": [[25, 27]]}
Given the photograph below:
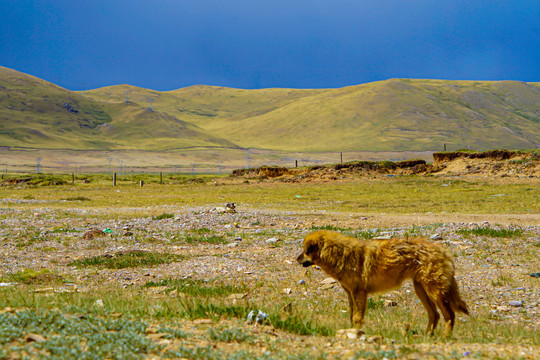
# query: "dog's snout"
{"points": [[304, 260]]}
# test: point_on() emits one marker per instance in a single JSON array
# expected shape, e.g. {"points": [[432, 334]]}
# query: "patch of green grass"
{"points": [[191, 308], [200, 288], [63, 229], [209, 239], [300, 325], [487, 231], [74, 337], [361, 234], [33, 277], [375, 304], [229, 335], [77, 198], [330, 228], [163, 216], [128, 259]]}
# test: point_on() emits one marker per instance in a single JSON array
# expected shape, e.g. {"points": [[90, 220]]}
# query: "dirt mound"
{"points": [[499, 163], [460, 163], [492, 155], [333, 172]]}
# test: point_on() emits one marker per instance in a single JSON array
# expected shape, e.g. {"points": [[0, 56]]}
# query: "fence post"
{"points": [[141, 183], [114, 179], [160, 178], [295, 163], [341, 157], [444, 147], [72, 178]]}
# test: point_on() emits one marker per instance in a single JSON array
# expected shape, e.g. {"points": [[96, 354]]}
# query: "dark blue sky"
{"points": [[168, 44]]}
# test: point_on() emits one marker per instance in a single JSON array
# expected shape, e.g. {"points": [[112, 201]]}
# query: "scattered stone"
{"points": [[517, 303], [237, 296], [34, 338], [202, 322], [287, 291], [436, 236], [93, 234], [536, 275], [255, 319], [349, 333], [384, 236], [328, 280], [272, 240], [158, 336], [99, 303], [390, 303], [229, 208], [302, 282]]}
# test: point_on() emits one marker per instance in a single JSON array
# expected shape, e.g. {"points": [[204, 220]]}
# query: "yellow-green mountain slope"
{"points": [[397, 114]]}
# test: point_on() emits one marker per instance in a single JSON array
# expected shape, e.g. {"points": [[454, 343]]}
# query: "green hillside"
{"points": [[396, 114], [38, 114]]}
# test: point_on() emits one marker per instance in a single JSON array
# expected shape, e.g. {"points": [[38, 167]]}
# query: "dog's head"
{"points": [[310, 254]]}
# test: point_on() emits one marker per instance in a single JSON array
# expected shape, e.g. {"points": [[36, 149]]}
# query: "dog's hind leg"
{"points": [[449, 316], [433, 315], [359, 306]]}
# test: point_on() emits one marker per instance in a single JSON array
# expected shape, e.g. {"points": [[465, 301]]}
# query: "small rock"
{"points": [[231, 245], [302, 282], [517, 303], [238, 238], [383, 237], [536, 275], [99, 303], [390, 303], [237, 296], [375, 339], [202, 322], [34, 337], [436, 236], [287, 291], [350, 333], [157, 336], [329, 280], [272, 240]]}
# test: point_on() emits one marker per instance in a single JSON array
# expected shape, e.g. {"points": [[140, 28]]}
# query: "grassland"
{"points": [[391, 115], [173, 279]]}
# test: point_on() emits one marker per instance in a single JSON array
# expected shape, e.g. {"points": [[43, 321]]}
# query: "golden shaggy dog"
{"points": [[364, 267]]}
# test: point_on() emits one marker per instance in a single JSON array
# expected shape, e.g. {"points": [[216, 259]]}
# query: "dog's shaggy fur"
{"points": [[364, 267]]}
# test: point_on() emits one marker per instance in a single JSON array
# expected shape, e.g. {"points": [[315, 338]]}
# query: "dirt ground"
{"points": [[245, 259]]}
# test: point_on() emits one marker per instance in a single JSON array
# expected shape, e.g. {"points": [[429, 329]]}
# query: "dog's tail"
{"points": [[456, 302]]}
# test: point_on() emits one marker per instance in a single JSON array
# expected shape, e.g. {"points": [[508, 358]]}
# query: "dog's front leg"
{"points": [[351, 303], [359, 305]]}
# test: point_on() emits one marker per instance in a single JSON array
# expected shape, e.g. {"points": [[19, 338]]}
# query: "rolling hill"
{"points": [[391, 115]]}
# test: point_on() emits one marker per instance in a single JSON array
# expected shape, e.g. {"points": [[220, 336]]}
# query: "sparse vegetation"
{"points": [[488, 231], [163, 216], [199, 288], [127, 259], [198, 305]]}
